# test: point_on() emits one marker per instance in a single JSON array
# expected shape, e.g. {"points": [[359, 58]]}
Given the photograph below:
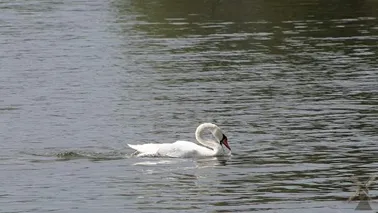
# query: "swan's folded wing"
{"points": [[184, 149]]}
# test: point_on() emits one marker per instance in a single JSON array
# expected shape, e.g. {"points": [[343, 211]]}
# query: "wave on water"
{"points": [[96, 156], [75, 155]]}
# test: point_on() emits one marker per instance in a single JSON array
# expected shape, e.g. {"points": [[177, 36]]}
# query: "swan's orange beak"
{"points": [[225, 142]]}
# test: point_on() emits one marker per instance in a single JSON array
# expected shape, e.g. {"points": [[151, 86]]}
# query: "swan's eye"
{"points": [[224, 138]]}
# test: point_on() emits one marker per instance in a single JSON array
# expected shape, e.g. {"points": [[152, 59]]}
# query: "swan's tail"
{"points": [[145, 149]]}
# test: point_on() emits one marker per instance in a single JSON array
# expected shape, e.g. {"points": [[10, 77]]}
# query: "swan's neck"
{"points": [[216, 147]]}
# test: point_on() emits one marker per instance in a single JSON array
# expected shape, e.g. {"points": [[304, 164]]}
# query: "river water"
{"points": [[293, 84]]}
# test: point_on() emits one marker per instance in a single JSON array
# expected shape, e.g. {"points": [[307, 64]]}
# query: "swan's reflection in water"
{"points": [[189, 177], [212, 162], [189, 173], [199, 163]]}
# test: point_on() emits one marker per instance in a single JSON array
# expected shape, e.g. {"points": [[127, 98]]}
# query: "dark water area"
{"points": [[293, 84]]}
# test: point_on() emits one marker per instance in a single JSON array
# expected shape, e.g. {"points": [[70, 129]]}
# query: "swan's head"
{"points": [[221, 138], [216, 131]]}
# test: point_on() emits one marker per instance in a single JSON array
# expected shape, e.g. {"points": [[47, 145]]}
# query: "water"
{"points": [[293, 84]]}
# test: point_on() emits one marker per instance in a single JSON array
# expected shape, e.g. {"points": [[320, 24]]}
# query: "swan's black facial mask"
{"points": [[224, 142]]}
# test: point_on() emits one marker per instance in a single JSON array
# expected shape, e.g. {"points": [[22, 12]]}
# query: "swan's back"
{"points": [[178, 149]]}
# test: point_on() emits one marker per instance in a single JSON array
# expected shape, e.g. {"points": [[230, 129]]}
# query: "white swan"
{"points": [[185, 149]]}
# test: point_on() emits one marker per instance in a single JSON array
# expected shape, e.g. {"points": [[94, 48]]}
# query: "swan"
{"points": [[187, 149]]}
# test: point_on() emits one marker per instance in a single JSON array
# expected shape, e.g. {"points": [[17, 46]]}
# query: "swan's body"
{"points": [[185, 149]]}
